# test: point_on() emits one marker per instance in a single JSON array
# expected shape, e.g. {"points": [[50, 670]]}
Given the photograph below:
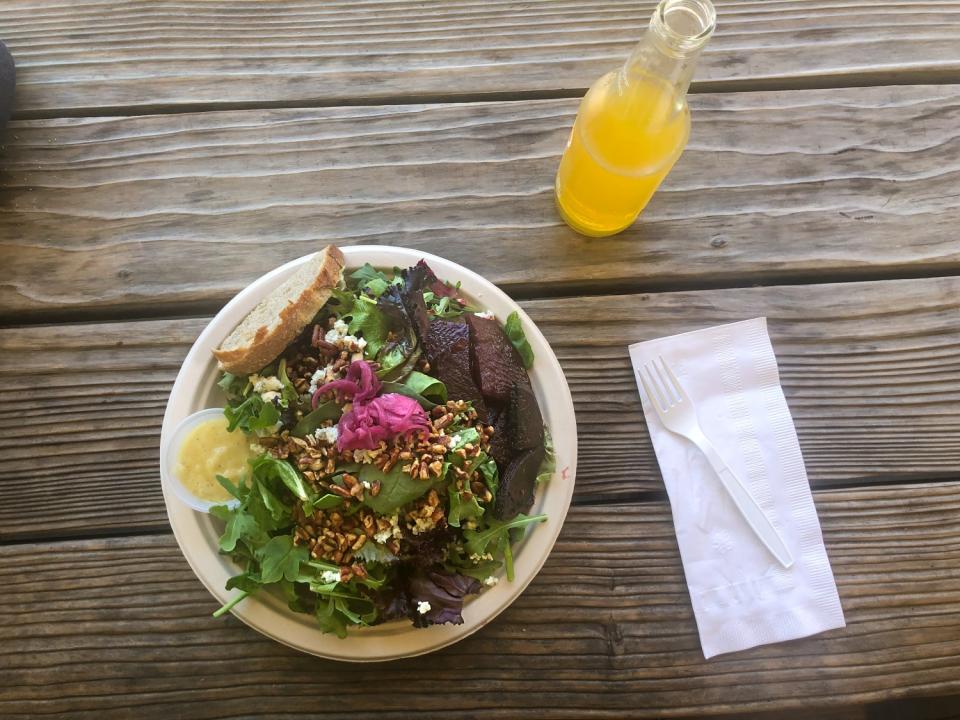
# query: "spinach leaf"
{"points": [[514, 330], [397, 488], [327, 502], [428, 387], [490, 474], [268, 467], [401, 389], [313, 420]]}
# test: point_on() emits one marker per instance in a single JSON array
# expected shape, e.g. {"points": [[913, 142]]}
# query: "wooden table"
{"points": [[164, 154]]}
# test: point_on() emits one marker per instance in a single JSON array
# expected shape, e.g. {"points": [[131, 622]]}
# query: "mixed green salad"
{"points": [[398, 446]]}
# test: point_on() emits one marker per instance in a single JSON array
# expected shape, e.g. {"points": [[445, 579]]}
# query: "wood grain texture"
{"points": [[84, 56], [121, 626], [871, 372], [134, 214]]}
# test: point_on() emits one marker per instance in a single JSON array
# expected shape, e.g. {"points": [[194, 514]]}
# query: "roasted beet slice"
{"points": [[496, 363], [501, 448], [518, 484], [453, 370], [525, 423], [442, 335]]}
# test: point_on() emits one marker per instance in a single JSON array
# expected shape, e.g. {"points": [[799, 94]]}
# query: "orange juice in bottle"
{"points": [[633, 123]]}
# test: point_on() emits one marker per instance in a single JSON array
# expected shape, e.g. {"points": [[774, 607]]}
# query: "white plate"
{"points": [[195, 389]]}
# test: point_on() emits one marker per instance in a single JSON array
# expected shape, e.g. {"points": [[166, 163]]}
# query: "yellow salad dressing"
{"points": [[207, 451], [633, 124]]}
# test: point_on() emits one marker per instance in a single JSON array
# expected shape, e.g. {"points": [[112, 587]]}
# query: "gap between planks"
{"points": [[647, 497], [519, 292], [863, 79]]}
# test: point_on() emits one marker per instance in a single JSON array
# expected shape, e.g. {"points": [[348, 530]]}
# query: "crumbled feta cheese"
{"points": [[257, 448], [455, 440], [366, 484], [422, 525], [269, 396], [265, 384], [479, 558], [470, 525], [327, 435], [491, 581], [330, 576], [486, 314], [393, 531], [340, 326], [423, 607]]}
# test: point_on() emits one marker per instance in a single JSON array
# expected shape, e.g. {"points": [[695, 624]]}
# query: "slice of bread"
{"points": [[282, 315]]}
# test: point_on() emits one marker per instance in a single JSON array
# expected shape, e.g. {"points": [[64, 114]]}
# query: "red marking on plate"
{"points": [[565, 472]]}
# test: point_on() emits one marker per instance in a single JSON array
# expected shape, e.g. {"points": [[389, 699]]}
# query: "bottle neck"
{"points": [[671, 46]]}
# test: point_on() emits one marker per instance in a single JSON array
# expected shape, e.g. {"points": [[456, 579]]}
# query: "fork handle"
{"points": [[755, 517]]}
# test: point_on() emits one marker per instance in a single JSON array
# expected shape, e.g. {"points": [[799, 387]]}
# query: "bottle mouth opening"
{"points": [[685, 25]]}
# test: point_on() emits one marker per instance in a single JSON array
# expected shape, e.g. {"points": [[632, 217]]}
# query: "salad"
{"points": [[398, 448]]}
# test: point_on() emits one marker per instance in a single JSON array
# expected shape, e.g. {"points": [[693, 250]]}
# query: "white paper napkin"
{"points": [[741, 596]]}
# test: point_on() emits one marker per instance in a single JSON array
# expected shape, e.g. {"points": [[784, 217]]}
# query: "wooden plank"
{"points": [[870, 371], [87, 56], [98, 215], [605, 631]]}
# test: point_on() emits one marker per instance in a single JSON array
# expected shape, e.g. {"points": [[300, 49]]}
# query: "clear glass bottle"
{"points": [[633, 123]]}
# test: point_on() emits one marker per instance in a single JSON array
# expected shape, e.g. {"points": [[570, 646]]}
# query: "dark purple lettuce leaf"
{"points": [[426, 549], [445, 593], [391, 602]]}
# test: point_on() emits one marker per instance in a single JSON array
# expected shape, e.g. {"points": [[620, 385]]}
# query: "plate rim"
{"points": [[254, 610]]}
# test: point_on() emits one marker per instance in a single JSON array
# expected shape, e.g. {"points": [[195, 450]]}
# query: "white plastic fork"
{"points": [[678, 415]]}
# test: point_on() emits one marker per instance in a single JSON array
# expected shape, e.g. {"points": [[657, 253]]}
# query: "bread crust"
{"points": [[267, 344]]}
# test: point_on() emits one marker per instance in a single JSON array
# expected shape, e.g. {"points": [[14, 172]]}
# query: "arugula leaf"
{"points": [[289, 395], [330, 619], [237, 492], [443, 306], [369, 320], [343, 301], [280, 558], [479, 541], [312, 421], [549, 464], [460, 508], [359, 278], [376, 287], [267, 466], [397, 488], [514, 330], [234, 385], [240, 526], [251, 415]]}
